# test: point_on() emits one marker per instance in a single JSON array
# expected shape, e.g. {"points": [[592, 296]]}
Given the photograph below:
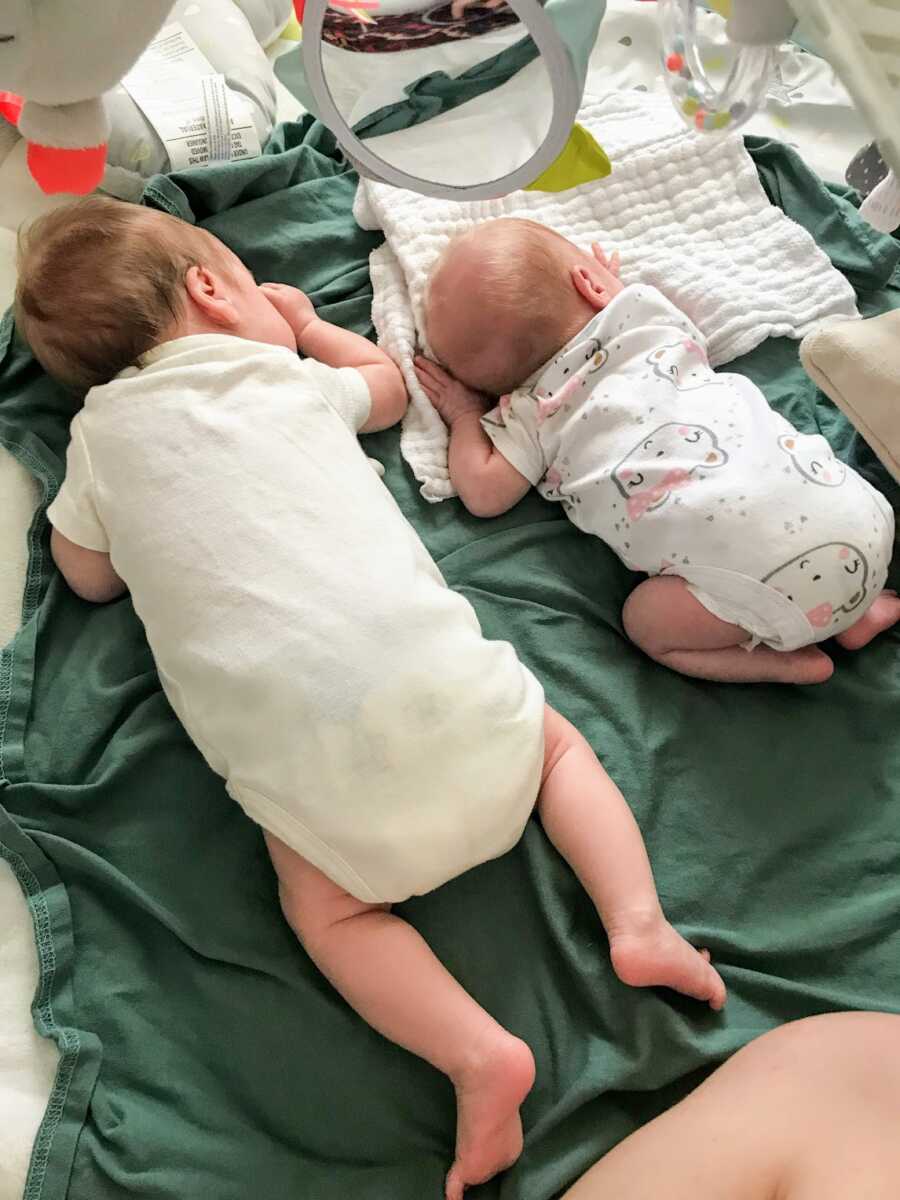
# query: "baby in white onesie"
{"points": [[306, 639], [755, 537]]}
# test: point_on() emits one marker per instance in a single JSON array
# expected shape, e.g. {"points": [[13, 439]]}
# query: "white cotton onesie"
{"points": [[685, 471], [302, 632]]}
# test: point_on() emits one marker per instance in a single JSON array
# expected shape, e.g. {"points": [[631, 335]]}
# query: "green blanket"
{"points": [[203, 1056]]}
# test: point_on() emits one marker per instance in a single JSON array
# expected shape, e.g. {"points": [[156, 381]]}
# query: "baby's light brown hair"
{"points": [[100, 283], [500, 302]]}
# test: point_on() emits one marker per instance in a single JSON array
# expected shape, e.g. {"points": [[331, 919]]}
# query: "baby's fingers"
{"points": [[426, 367], [610, 264], [282, 295], [598, 253], [428, 385]]}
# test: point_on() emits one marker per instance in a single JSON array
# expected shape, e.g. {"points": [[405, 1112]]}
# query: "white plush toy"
{"points": [[230, 36], [59, 57]]}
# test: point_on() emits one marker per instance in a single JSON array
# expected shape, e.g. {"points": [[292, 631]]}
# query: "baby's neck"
{"points": [[188, 326], [193, 322]]}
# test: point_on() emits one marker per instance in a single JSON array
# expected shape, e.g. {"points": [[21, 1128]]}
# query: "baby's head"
{"points": [[504, 297], [101, 282]]}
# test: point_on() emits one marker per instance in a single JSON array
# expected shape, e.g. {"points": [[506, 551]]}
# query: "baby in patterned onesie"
{"points": [[754, 536]]}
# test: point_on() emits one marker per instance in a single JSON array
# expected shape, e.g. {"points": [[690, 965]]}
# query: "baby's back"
{"points": [[302, 632]]}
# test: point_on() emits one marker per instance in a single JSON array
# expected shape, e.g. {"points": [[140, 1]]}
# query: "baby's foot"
{"points": [[734, 664], [884, 613], [650, 953], [807, 665], [488, 1126]]}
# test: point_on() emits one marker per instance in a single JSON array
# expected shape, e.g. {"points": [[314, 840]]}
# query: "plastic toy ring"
{"points": [[699, 102]]}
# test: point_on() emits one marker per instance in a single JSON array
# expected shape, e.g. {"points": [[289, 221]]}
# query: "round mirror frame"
{"points": [[566, 99]]}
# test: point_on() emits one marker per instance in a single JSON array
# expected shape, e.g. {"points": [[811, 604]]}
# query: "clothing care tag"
{"points": [[218, 123], [196, 115]]}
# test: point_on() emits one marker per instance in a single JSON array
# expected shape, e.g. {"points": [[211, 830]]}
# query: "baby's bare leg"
{"points": [[385, 970], [807, 1112], [673, 627], [587, 819]]}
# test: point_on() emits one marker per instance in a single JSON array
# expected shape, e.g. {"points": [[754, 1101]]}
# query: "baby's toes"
{"points": [[717, 993], [454, 1185]]}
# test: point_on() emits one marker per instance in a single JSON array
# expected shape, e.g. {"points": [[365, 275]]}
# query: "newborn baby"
{"points": [[306, 639], [755, 537]]}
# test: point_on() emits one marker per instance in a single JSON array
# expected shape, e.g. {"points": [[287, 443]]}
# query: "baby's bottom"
{"points": [[671, 625], [807, 1112], [385, 970]]}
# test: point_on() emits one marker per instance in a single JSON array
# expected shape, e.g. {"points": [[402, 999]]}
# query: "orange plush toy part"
{"points": [[58, 170], [57, 58], [54, 169]]}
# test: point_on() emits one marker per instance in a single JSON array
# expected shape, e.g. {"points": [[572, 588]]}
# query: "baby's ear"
{"points": [[589, 285], [207, 292]]}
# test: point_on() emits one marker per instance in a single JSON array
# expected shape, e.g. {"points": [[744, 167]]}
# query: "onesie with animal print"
{"points": [[685, 471]]}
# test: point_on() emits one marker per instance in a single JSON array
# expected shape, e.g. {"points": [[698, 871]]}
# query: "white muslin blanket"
{"points": [[687, 214]]}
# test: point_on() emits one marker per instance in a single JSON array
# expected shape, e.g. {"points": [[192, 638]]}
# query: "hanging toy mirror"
{"points": [[466, 99]]}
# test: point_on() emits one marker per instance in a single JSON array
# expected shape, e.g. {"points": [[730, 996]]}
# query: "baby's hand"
{"points": [[608, 272], [295, 306], [450, 397]]}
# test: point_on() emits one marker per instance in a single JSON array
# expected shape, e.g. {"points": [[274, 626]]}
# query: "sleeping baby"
{"points": [[754, 536], [306, 639]]}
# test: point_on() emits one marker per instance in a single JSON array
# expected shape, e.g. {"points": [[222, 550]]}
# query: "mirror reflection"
{"points": [[391, 64]]}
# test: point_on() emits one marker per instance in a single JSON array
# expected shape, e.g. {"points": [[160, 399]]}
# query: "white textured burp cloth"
{"points": [[687, 213]]}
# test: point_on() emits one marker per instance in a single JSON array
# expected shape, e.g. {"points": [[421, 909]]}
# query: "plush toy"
{"points": [[57, 58], [62, 58]]}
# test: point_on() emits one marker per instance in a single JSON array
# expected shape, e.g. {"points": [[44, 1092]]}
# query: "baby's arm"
{"points": [[487, 483], [89, 573], [338, 347]]}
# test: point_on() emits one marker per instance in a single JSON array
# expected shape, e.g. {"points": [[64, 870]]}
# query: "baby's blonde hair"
{"points": [[515, 308], [101, 282]]}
